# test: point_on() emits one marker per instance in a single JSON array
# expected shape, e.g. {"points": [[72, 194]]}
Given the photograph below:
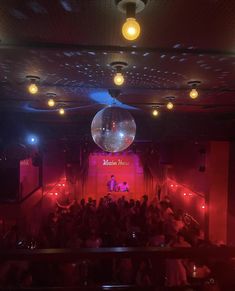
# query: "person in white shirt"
{"points": [[123, 187]]}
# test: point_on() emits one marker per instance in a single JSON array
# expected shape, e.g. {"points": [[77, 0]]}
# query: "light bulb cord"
{"points": [[119, 69], [32, 82], [130, 10]]}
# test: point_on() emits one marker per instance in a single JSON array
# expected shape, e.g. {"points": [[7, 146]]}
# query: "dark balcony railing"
{"points": [[98, 253], [54, 256]]}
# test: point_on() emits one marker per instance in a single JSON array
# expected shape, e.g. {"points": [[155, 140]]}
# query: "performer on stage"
{"points": [[123, 187], [112, 184]]}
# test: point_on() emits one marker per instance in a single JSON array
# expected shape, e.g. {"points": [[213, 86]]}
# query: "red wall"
{"points": [[189, 201], [185, 169], [26, 214], [218, 178], [186, 160], [53, 165], [231, 196]]}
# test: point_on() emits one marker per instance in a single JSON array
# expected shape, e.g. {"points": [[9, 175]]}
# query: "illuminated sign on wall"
{"points": [[119, 162]]}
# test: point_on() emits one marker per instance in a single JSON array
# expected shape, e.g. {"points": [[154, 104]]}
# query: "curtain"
{"points": [[154, 174], [77, 171]]}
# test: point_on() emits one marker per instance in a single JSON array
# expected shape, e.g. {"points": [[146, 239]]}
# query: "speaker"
{"points": [[37, 160], [9, 181]]}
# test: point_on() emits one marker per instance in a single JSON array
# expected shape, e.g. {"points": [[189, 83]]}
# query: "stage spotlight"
{"points": [[32, 139]]}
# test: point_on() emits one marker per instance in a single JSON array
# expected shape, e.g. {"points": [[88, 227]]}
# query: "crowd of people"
{"points": [[109, 223]]}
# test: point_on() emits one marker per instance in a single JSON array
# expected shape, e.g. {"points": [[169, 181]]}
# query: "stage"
{"points": [[125, 168]]}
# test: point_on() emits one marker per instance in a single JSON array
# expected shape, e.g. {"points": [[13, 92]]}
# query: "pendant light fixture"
{"points": [[155, 111], [51, 103], [51, 99], [118, 78], [61, 111], [193, 94], [33, 84], [131, 28], [170, 104]]}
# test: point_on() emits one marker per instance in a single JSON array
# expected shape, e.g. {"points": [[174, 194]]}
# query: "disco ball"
{"points": [[113, 129]]}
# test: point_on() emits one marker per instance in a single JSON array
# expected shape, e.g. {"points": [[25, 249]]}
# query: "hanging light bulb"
{"points": [[118, 79], [170, 105], [33, 88], [51, 102], [155, 112], [61, 111], [193, 93], [131, 29], [51, 99]]}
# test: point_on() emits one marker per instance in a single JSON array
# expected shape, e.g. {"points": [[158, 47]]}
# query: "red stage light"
{"points": [[63, 185], [203, 206], [185, 194], [56, 193], [172, 185], [190, 194]]}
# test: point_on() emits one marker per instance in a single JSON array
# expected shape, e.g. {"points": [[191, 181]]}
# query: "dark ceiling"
{"points": [[69, 44]]}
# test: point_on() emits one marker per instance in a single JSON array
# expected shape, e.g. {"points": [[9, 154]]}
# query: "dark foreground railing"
{"points": [[94, 288], [98, 253], [54, 256]]}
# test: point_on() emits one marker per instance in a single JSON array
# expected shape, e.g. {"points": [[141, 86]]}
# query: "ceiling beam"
{"points": [[113, 49]]}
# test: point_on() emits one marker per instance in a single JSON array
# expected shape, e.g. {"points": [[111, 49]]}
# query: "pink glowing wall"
{"points": [[188, 170], [204, 169], [218, 177], [53, 165], [187, 162], [125, 167]]}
